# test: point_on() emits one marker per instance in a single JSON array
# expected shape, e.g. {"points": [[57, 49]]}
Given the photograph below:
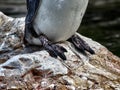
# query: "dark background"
{"points": [[101, 21]]}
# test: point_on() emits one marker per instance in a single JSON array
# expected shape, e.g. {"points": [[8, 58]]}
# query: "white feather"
{"points": [[59, 19]]}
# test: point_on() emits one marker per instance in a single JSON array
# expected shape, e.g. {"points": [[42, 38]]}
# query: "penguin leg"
{"points": [[80, 44], [31, 38], [53, 49]]}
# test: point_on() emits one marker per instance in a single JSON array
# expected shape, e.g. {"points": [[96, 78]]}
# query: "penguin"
{"points": [[49, 22]]}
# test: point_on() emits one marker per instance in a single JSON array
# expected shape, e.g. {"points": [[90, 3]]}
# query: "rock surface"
{"points": [[32, 68]]}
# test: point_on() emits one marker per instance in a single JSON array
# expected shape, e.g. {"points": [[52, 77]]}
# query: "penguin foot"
{"points": [[80, 44], [53, 49]]}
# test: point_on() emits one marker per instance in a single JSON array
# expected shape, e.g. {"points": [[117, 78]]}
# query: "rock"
{"points": [[28, 68]]}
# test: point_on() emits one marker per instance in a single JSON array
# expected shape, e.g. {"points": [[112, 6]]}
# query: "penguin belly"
{"points": [[59, 19]]}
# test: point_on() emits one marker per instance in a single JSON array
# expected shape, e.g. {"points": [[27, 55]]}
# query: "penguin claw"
{"points": [[60, 51], [80, 44], [53, 49]]}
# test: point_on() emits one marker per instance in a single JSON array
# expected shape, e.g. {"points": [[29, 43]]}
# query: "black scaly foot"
{"points": [[53, 49], [80, 44]]}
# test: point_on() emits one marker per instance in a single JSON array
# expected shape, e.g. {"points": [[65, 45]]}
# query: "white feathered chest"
{"points": [[59, 19]]}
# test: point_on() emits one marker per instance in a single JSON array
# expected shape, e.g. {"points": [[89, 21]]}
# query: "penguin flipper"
{"points": [[32, 7], [80, 44]]}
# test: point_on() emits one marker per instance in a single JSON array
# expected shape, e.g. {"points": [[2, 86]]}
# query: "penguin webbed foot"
{"points": [[53, 49], [80, 44]]}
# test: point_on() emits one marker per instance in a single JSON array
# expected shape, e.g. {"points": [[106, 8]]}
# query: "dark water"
{"points": [[101, 21], [107, 37]]}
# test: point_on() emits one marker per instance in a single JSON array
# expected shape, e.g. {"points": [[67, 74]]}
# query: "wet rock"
{"points": [[32, 68]]}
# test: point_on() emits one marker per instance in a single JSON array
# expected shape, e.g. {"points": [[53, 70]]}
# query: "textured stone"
{"points": [[28, 68]]}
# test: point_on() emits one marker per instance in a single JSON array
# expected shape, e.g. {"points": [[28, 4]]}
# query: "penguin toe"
{"points": [[60, 51], [55, 50], [81, 45]]}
